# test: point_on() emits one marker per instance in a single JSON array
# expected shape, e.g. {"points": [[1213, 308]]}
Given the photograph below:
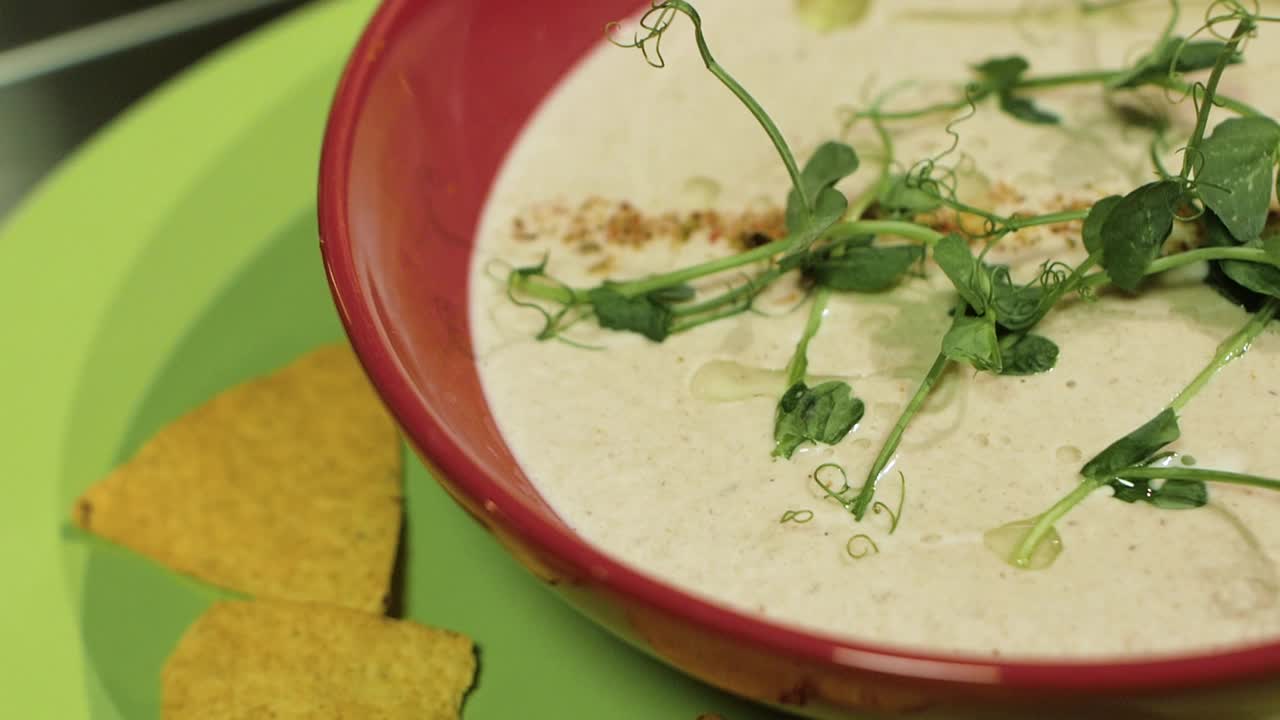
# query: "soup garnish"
{"points": [[1221, 195]]}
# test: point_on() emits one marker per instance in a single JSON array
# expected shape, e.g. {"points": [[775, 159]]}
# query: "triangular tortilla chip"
{"points": [[286, 487], [264, 659]]}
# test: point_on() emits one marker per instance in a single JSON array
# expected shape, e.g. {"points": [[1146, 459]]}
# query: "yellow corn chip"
{"points": [[265, 659], [285, 487]]}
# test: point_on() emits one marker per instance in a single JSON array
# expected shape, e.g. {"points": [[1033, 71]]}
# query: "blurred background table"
{"points": [[45, 117]]}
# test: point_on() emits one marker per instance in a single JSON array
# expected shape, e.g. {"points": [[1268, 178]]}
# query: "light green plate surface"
{"points": [[173, 256]]}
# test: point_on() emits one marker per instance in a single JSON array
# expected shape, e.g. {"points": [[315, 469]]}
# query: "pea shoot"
{"points": [[872, 243]]}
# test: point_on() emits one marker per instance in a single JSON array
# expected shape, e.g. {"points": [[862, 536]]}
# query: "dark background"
{"points": [[43, 119]]}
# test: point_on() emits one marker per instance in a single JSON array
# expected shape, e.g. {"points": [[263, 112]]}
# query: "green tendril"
{"points": [[894, 516], [844, 478], [796, 516], [656, 22], [860, 546]]}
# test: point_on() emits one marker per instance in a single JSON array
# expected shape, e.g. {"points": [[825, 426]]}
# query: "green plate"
{"points": [[174, 255]]}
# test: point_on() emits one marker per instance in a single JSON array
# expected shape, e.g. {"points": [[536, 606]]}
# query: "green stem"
{"points": [[1172, 26], [1201, 474], [545, 290], [1065, 79], [1103, 5], [1189, 257], [1016, 223], [868, 196], [540, 287], [770, 128], [1061, 80], [1244, 27], [799, 365], [689, 323], [934, 109], [746, 290], [898, 228], [1230, 349], [1022, 554], [907, 230], [868, 491], [642, 286], [1154, 150]]}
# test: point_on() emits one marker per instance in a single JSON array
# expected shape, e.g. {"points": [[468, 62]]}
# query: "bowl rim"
{"points": [[1047, 676]]}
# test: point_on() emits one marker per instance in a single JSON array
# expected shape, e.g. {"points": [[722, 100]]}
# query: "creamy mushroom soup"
{"points": [[662, 453]]}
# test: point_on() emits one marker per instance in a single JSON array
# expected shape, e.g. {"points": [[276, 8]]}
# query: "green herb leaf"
{"points": [[970, 278], [821, 414], [1024, 109], [1258, 277], [1239, 281], [1134, 232], [1172, 495], [865, 269], [643, 315], [1235, 179], [1098, 214], [1134, 448], [804, 227], [1017, 307], [973, 340], [1154, 67], [1271, 245], [1028, 354], [1000, 74], [830, 163], [900, 198], [1217, 235]]}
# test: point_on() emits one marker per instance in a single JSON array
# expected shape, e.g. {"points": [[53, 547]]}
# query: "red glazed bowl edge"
{"points": [[987, 679]]}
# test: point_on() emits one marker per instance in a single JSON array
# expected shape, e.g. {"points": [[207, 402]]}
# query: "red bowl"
{"points": [[431, 100]]}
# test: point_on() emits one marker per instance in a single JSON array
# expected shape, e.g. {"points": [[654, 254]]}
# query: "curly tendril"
{"points": [[894, 516], [654, 23], [844, 477], [860, 546], [796, 516]]}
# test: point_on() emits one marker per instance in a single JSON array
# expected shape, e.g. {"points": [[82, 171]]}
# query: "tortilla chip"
{"points": [[265, 659], [285, 487]]}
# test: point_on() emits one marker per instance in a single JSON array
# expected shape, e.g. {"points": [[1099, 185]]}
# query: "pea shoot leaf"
{"points": [[1242, 283], [821, 414], [866, 269], [830, 163], [1135, 448], [644, 314], [1028, 354], [1001, 73], [900, 197], [973, 340], [1172, 495], [970, 278], [1175, 53], [1000, 76], [1135, 230], [1098, 214], [1235, 177], [1271, 245], [1258, 277], [1017, 307], [1022, 108]]}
